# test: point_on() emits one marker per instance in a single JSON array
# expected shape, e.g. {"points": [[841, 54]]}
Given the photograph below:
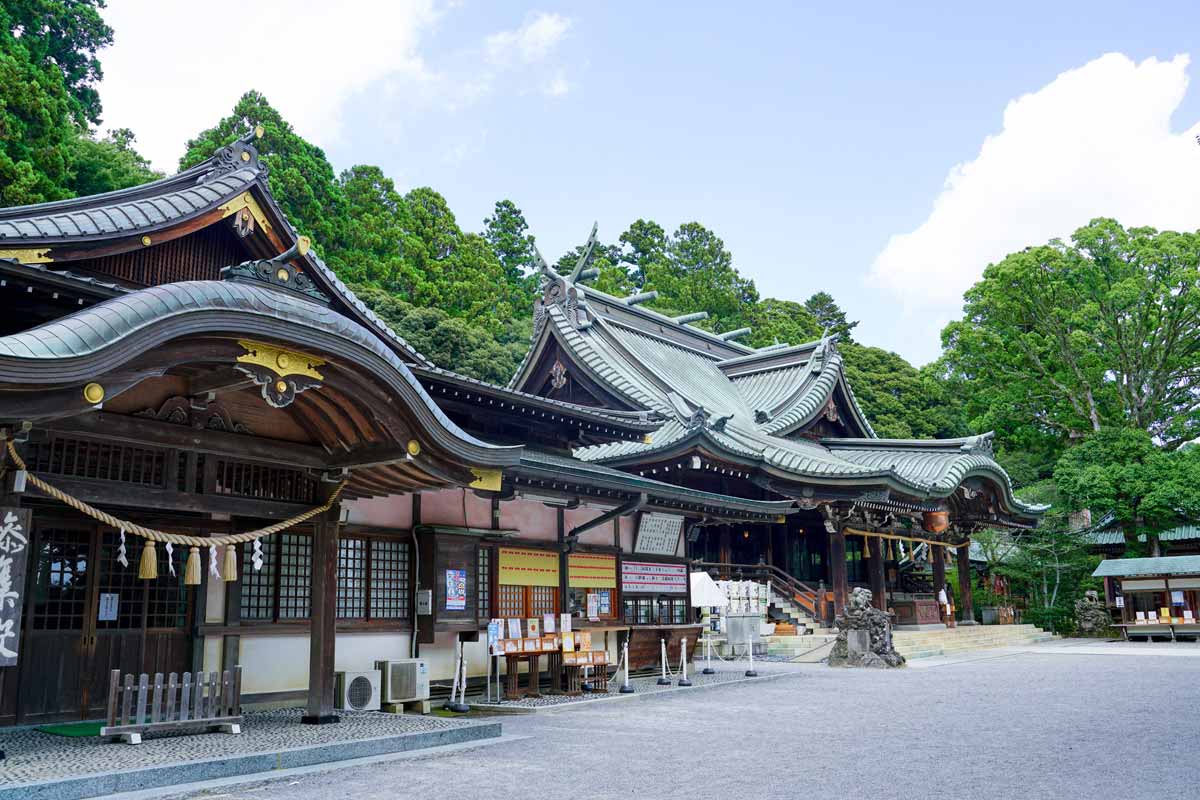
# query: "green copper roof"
{"points": [[744, 405], [1130, 567], [1116, 536]]}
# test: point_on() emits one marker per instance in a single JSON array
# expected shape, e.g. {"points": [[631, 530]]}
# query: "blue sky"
{"points": [[806, 136]]}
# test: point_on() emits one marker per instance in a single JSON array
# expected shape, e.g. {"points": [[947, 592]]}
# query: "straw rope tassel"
{"points": [[191, 575], [230, 570], [148, 566]]}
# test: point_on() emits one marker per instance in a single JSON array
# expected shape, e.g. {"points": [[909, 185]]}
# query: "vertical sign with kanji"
{"points": [[14, 553]]}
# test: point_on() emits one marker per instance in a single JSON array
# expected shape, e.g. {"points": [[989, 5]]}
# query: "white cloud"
{"points": [[172, 73], [531, 42], [1095, 141], [557, 86]]}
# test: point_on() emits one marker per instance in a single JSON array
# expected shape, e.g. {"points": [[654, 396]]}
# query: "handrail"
{"points": [[786, 584]]}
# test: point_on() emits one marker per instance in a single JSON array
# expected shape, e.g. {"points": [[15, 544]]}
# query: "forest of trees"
{"points": [[1082, 355]]}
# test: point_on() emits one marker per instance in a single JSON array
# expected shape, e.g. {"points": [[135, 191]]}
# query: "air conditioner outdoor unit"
{"points": [[357, 691], [405, 680]]}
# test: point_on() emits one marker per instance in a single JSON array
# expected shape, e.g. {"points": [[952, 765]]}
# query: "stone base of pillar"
{"points": [[967, 622], [323, 719]]}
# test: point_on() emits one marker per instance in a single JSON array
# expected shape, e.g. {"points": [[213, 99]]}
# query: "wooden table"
{"points": [[1158, 629], [512, 678]]}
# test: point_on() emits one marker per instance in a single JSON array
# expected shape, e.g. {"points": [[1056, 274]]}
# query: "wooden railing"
{"points": [[803, 594]]}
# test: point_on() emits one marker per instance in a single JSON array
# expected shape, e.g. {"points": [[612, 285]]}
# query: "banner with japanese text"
{"points": [[527, 567], [14, 553]]}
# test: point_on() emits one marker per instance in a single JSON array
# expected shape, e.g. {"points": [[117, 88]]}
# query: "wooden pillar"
{"points": [[770, 533], [875, 567], [561, 521], [938, 556], [726, 551], [966, 603], [838, 579], [323, 614]]}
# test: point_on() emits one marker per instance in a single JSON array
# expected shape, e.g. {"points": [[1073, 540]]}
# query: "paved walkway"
{"points": [[1053, 721], [35, 756]]}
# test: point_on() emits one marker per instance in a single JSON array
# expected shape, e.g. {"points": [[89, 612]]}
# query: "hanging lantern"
{"points": [[936, 521]]}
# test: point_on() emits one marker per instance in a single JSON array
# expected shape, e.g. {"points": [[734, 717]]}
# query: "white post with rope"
{"points": [[750, 673], [663, 680], [460, 671], [683, 678], [708, 670], [625, 687]]}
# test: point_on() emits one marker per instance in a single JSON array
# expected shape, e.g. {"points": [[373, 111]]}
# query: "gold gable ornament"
{"points": [[486, 479], [281, 373]]}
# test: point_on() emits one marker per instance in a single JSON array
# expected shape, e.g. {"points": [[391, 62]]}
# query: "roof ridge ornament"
{"points": [[980, 445], [238, 154], [279, 273]]}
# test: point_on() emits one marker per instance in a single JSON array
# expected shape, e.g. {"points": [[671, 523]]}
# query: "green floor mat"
{"points": [[74, 729]]}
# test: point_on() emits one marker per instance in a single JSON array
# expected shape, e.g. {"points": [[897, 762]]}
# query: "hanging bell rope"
{"points": [[148, 566]]}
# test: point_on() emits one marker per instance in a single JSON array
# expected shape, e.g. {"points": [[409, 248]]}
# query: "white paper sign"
{"points": [[658, 534], [1120, 601], [514, 628], [652, 577], [108, 607], [564, 623], [593, 607], [547, 623], [1176, 597]]}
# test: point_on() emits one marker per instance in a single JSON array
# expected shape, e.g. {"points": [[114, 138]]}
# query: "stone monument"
{"points": [[1091, 617], [864, 636]]}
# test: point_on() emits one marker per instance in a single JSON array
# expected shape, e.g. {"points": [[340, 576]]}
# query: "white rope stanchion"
{"points": [[683, 680], [708, 670], [662, 678], [625, 687], [460, 671], [750, 673]]}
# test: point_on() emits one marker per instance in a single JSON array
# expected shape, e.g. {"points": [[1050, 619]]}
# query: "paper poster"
{"points": [[654, 577], [568, 643], [593, 606], [564, 623], [1176, 597], [456, 590], [534, 626], [511, 645], [584, 640], [1120, 601], [493, 633], [547, 623], [514, 628], [108, 607]]}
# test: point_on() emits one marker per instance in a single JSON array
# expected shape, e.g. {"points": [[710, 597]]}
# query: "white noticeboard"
{"points": [[1120, 601], [658, 534], [108, 607]]}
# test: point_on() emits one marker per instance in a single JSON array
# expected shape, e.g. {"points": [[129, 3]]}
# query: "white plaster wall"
{"points": [[280, 663], [212, 654], [214, 601], [393, 511]]}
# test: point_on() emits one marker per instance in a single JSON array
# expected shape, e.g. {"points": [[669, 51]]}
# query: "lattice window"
{"points": [[60, 586], [389, 579], [82, 458], [167, 597], [510, 601], [543, 600], [258, 587], [352, 579], [121, 581], [266, 481], [295, 575], [639, 610], [483, 585]]}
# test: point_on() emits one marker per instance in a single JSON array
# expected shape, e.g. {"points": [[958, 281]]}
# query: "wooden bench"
{"points": [[213, 702]]}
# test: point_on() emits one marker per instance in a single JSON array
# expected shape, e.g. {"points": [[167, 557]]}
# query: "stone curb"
{"points": [[164, 775], [612, 698]]}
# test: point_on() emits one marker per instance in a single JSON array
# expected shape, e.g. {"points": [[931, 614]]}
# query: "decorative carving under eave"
{"points": [[27, 255], [558, 291], [831, 411], [278, 273], [195, 413], [239, 154], [558, 375], [281, 373]]}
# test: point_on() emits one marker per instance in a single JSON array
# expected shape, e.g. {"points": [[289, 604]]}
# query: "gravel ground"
{"points": [[1039, 725]]}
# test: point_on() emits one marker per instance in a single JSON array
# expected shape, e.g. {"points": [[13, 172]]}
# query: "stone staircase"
{"points": [[966, 639], [811, 642]]}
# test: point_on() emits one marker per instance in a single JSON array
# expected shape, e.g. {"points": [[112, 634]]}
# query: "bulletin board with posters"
{"points": [[592, 585]]}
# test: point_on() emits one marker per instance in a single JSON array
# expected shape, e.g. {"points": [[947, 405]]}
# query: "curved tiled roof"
{"points": [[200, 306]]}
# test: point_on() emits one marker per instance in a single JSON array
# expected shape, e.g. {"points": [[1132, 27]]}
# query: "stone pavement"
{"points": [[1030, 725], [275, 736]]}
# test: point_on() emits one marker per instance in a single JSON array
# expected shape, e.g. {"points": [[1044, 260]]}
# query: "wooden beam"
{"points": [[965, 589], [838, 579], [875, 569], [113, 493], [323, 613]]}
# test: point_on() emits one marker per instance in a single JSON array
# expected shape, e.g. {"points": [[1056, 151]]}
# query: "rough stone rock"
{"points": [[860, 615], [1091, 617]]}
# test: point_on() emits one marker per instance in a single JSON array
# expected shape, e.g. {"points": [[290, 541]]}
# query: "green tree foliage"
{"points": [[508, 234], [830, 316], [781, 322], [900, 401], [300, 176], [63, 35], [1063, 339], [106, 164], [1148, 488], [645, 247], [36, 118], [698, 275], [450, 341]]}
